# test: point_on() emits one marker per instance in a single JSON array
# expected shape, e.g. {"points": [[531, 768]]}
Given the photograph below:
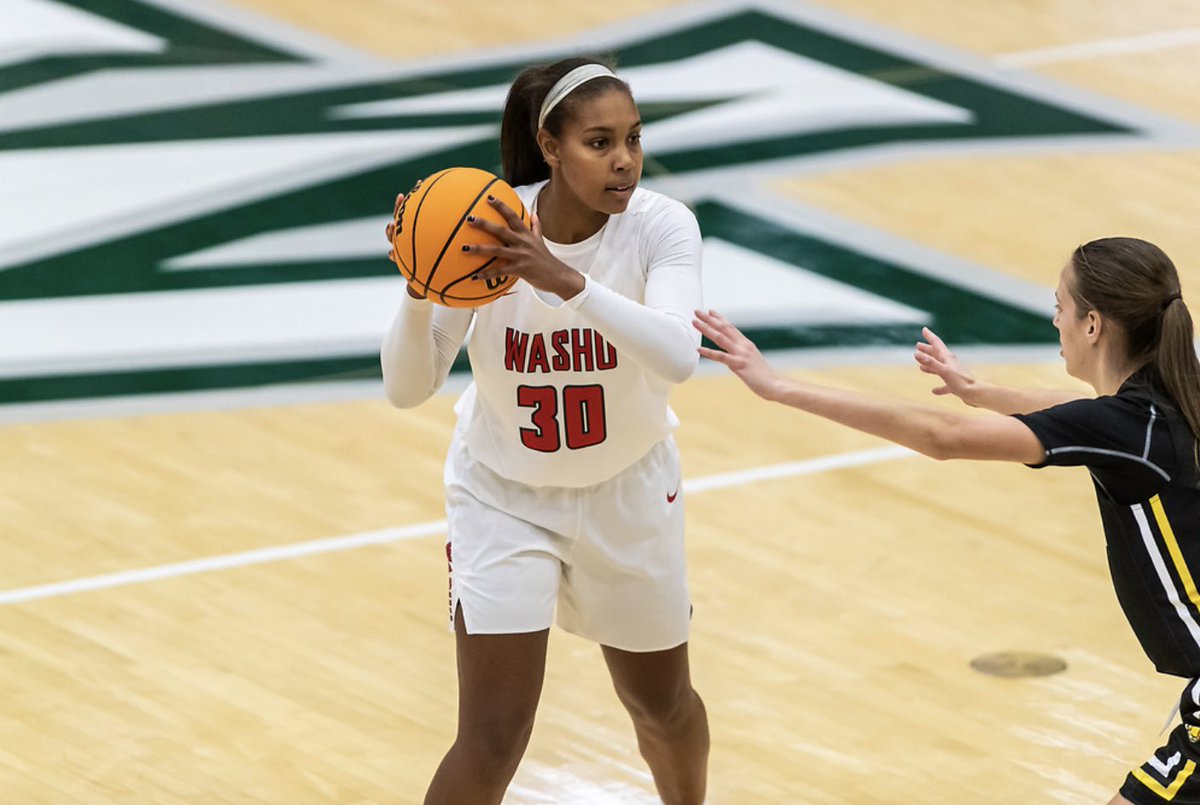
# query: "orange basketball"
{"points": [[431, 229]]}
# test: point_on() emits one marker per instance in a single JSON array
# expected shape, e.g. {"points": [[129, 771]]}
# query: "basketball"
{"points": [[431, 228]]}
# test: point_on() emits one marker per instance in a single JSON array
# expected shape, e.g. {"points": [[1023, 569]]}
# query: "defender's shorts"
{"points": [[1171, 774], [611, 556]]}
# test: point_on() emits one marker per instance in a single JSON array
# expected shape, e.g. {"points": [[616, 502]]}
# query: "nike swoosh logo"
{"points": [[672, 495]]}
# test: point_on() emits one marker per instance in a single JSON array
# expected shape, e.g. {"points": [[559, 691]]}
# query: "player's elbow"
{"points": [[404, 396], [682, 358], [955, 439], [941, 442], [402, 392], [939, 451], [682, 366]]}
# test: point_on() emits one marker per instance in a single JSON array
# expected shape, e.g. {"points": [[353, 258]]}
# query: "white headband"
{"points": [[568, 84]]}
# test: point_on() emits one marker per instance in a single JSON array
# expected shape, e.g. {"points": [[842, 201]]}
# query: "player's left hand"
{"points": [[522, 253], [738, 353], [935, 358]]}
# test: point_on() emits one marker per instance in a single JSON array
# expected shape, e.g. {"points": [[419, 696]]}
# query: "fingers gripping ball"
{"points": [[431, 229]]}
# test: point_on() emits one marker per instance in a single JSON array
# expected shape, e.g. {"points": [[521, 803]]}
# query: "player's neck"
{"points": [[564, 218], [1111, 373]]}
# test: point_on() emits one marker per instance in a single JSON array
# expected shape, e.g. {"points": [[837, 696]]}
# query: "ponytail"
{"points": [[1177, 363], [520, 153]]}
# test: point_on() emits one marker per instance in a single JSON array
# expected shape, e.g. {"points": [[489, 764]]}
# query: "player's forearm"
{"points": [[917, 427], [1009, 400], [664, 344], [417, 353]]}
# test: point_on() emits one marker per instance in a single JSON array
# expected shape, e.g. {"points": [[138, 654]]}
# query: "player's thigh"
{"points": [[499, 678]]}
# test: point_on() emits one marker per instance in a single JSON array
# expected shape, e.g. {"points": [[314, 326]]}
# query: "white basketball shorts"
{"points": [[611, 556]]}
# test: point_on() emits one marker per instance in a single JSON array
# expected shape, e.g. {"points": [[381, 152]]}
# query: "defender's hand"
{"points": [[738, 353], [935, 358]]}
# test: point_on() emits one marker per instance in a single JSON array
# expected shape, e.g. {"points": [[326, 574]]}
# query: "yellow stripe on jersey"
{"points": [[1167, 792], [1189, 585]]}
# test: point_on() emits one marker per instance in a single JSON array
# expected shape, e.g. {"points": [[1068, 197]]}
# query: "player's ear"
{"points": [[1095, 326], [549, 146]]}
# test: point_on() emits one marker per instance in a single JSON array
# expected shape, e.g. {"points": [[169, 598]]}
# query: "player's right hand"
{"points": [[390, 231], [935, 358]]}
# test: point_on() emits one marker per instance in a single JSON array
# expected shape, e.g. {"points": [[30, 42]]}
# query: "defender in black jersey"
{"points": [[1125, 330]]}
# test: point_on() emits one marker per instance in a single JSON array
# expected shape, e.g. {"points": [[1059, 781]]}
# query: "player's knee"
{"points": [[660, 709], [496, 745]]}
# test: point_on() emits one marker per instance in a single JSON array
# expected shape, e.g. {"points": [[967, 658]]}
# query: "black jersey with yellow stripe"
{"points": [[1142, 458]]}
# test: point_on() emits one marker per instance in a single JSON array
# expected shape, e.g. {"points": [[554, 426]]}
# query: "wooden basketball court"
{"points": [[839, 598]]}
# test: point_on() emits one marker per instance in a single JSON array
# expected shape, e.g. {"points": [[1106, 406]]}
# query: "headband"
{"points": [[568, 84]]}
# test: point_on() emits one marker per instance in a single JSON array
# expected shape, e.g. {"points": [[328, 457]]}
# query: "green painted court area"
{"points": [[117, 248]]}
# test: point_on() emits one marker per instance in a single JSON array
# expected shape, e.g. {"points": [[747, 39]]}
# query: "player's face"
{"points": [[1071, 328], [600, 151]]}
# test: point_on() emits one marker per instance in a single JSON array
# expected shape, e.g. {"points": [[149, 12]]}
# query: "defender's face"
{"points": [[1072, 328]]}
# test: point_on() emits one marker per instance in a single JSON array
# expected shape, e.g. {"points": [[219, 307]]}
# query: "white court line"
{"points": [[384, 536], [1121, 46], [255, 557], [809, 467]]}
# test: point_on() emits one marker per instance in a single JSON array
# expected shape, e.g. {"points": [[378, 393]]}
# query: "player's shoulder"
{"points": [[528, 192], [1127, 412], [652, 212], [1144, 391], [650, 202]]}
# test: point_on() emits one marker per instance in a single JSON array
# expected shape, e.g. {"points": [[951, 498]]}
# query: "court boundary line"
{"points": [[384, 536], [1098, 48]]}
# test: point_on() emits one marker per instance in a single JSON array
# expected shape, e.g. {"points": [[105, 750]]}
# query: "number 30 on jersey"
{"points": [[574, 416]]}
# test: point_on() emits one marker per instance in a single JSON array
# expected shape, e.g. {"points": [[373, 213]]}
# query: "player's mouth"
{"points": [[621, 190]]}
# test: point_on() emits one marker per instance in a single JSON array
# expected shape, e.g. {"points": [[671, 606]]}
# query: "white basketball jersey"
{"points": [[553, 403]]}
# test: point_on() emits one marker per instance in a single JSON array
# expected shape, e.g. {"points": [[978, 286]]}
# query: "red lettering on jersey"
{"points": [[606, 356], [581, 350], [514, 349], [537, 354], [574, 350], [561, 361]]}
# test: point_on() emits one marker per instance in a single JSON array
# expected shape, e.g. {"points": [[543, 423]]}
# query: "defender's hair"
{"points": [[1135, 284], [519, 151]]}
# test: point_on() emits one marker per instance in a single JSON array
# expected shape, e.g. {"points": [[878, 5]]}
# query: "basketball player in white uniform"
{"points": [[563, 480]]}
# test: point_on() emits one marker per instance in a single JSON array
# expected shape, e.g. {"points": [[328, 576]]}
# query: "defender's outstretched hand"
{"points": [[935, 358], [738, 353]]}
